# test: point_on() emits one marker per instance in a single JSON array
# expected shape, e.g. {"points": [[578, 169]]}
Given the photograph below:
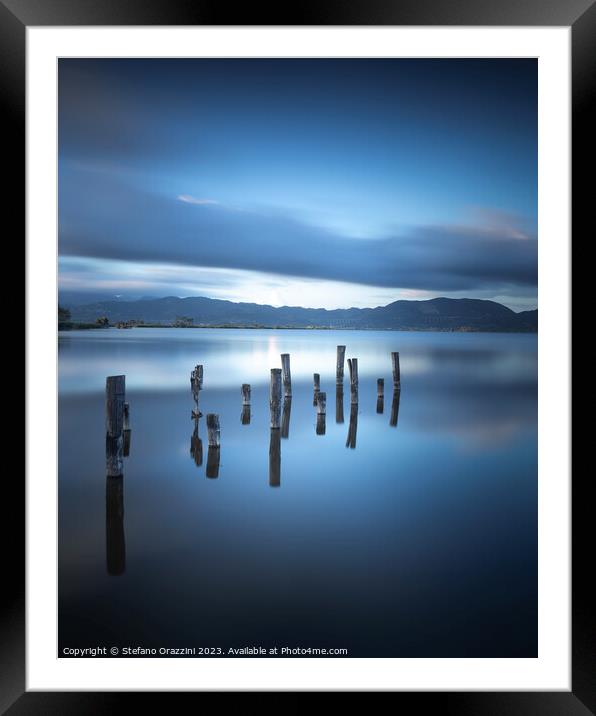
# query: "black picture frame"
{"points": [[15, 16]]}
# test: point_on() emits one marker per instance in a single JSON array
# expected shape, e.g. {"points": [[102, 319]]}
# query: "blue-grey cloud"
{"points": [[102, 216]]}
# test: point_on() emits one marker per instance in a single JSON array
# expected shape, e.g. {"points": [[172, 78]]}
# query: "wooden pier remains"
{"points": [[339, 370], [115, 394], [126, 430], [196, 385], [316, 387], [275, 398], [321, 412], [395, 370], [287, 377], [353, 367], [245, 415]]}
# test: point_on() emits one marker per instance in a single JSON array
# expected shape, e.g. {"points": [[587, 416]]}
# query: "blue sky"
{"points": [[305, 182]]}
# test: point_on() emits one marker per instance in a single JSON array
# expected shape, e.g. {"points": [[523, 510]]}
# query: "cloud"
{"points": [[188, 199], [102, 216]]}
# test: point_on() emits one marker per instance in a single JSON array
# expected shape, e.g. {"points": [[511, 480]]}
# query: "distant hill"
{"points": [[437, 314]]}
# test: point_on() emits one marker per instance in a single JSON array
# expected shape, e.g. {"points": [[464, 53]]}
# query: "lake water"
{"points": [[420, 540]]}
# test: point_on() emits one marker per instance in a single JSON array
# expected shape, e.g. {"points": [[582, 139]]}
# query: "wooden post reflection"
{"points": [[115, 544], [213, 437], [395, 408], [380, 394], [274, 458], [339, 404], [285, 418], [196, 444], [351, 440]]}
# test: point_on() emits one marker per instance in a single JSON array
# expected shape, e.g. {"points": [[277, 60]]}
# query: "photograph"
{"points": [[297, 357]]}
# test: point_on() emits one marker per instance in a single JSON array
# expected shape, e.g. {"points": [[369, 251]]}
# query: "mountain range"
{"points": [[437, 314]]}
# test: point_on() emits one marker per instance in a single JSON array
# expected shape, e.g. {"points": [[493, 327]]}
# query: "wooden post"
{"points": [[196, 445], [115, 392], [395, 408], [213, 437], [285, 418], [322, 403], [275, 397], [245, 415], [287, 378], [126, 431], [352, 430], [353, 366], [115, 542], [316, 387], [339, 403], [274, 458], [213, 433], [396, 373], [339, 371], [196, 385]]}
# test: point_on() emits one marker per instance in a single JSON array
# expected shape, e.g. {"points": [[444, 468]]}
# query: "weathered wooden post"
{"points": [[339, 403], [126, 430], [287, 378], [275, 397], [322, 403], [274, 458], [213, 438], [245, 415], [115, 393], [196, 385], [196, 445], [339, 371], [396, 373], [321, 412], [115, 542], [316, 387], [285, 417], [352, 430], [353, 366], [394, 408], [380, 394]]}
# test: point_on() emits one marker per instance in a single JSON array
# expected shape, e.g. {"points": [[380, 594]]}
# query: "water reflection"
{"points": [[274, 457], [245, 415], [196, 444], [339, 404], [285, 418], [212, 470], [352, 430], [115, 543], [395, 408]]}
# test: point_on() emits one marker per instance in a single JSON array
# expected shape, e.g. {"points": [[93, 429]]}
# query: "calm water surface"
{"points": [[419, 541]]}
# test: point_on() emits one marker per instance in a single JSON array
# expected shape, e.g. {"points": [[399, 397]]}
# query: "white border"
{"points": [[551, 670]]}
